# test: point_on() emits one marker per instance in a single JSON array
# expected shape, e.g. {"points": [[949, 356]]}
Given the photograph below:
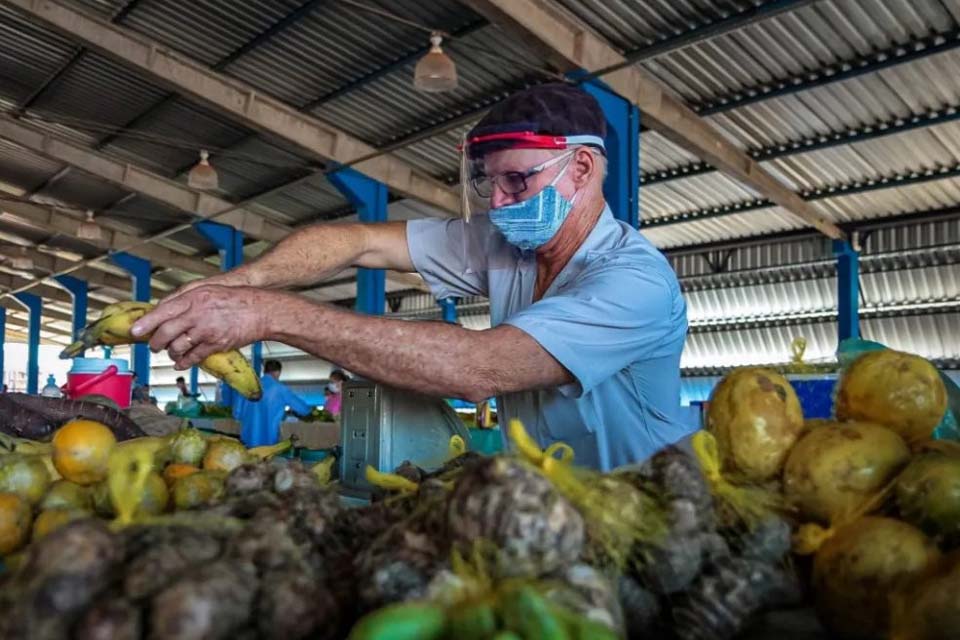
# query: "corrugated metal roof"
{"points": [[335, 45], [926, 335]]}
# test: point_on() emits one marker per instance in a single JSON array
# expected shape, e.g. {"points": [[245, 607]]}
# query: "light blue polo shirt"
{"points": [[614, 317]]}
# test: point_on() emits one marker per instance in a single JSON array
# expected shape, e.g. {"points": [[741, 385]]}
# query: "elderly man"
{"points": [[588, 319]]}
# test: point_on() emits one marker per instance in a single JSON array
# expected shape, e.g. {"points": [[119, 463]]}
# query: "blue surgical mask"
{"points": [[532, 223]]}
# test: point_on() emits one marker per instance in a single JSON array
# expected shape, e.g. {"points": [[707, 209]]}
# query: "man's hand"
{"points": [[207, 319], [229, 279]]}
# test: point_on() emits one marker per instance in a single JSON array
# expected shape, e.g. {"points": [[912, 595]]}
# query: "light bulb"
{"points": [[203, 176], [21, 261], [89, 229], [436, 71]]}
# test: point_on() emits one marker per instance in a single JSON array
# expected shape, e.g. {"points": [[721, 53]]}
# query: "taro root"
{"points": [[112, 618], [62, 575], [509, 504], [211, 603]]}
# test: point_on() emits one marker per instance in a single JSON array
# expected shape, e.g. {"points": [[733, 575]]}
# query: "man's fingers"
{"points": [[194, 356], [164, 312], [180, 345], [169, 331]]}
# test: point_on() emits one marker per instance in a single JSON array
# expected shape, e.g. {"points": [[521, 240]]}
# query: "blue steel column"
{"points": [[449, 307], [370, 199], [622, 186], [194, 380], [139, 270], [848, 289], [3, 340], [229, 244], [78, 289], [34, 306]]}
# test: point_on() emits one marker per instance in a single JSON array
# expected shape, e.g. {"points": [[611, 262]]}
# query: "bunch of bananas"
{"points": [[113, 328]]}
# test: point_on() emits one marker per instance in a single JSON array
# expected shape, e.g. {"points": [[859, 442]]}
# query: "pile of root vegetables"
{"points": [[855, 517]]}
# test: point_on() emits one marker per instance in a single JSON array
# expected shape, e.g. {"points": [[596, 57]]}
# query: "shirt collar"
{"points": [[603, 236]]}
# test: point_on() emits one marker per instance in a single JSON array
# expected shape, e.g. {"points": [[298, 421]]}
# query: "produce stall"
{"points": [[776, 527]]}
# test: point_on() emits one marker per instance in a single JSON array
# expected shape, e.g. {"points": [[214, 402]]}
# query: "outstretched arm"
{"points": [[317, 252], [430, 357]]}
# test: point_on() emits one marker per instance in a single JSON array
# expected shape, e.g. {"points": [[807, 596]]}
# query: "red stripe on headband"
{"points": [[524, 140]]}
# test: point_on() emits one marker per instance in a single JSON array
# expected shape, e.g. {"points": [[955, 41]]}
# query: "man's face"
{"points": [[521, 161]]}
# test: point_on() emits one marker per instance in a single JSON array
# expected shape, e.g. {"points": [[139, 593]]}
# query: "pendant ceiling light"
{"points": [[203, 176], [89, 229], [436, 71], [21, 261]]}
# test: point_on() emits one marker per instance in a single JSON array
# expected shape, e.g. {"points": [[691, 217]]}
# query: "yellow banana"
{"points": [[323, 470], [234, 369], [267, 451], [113, 328]]}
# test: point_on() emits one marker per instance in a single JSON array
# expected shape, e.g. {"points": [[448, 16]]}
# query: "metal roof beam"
{"points": [[816, 143], [572, 47], [49, 333], [715, 29], [138, 180], [812, 195], [49, 219], [238, 100], [264, 36], [50, 263], [77, 55], [143, 182]]}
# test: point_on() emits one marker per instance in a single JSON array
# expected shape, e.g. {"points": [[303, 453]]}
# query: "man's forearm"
{"points": [[431, 357], [303, 258]]}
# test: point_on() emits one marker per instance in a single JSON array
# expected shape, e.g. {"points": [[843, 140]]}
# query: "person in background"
{"points": [[182, 388], [334, 392], [5, 390], [260, 421]]}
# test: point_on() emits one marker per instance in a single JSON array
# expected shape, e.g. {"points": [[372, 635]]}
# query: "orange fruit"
{"points": [[177, 470], [14, 522], [81, 449]]}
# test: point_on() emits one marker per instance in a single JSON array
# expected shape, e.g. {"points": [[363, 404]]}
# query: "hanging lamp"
{"points": [[436, 71], [203, 175], [89, 229], [21, 261]]}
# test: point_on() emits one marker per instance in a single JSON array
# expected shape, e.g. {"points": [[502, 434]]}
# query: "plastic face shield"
{"points": [[481, 245]]}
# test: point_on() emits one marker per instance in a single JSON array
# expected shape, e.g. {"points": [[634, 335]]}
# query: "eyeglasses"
{"points": [[511, 182]]}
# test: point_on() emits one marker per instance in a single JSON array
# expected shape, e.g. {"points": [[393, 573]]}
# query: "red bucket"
{"points": [[98, 376]]}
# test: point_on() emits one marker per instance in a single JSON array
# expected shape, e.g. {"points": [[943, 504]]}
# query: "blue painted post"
{"points": [[229, 244], [449, 307], [34, 305], [139, 270], [194, 380], [370, 199], [622, 186], [848, 289], [258, 357], [78, 289], [3, 340]]}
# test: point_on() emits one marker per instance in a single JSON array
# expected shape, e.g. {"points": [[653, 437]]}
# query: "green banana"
{"points": [[405, 621], [526, 612], [113, 328], [472, 622]]}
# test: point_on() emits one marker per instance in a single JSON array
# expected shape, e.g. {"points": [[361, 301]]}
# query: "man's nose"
{"points": [[499, 198]]}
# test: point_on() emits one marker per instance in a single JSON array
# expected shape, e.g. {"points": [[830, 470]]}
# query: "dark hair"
{"points": [[181, 379], [269, 366], [338, 374]]}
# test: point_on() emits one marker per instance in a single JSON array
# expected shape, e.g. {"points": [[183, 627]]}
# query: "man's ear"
{"points": [[585, 165]]}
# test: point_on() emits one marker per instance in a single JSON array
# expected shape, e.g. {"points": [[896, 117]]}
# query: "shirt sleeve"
{"points": [[617, 313], [296, 403], [444, 253]]}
